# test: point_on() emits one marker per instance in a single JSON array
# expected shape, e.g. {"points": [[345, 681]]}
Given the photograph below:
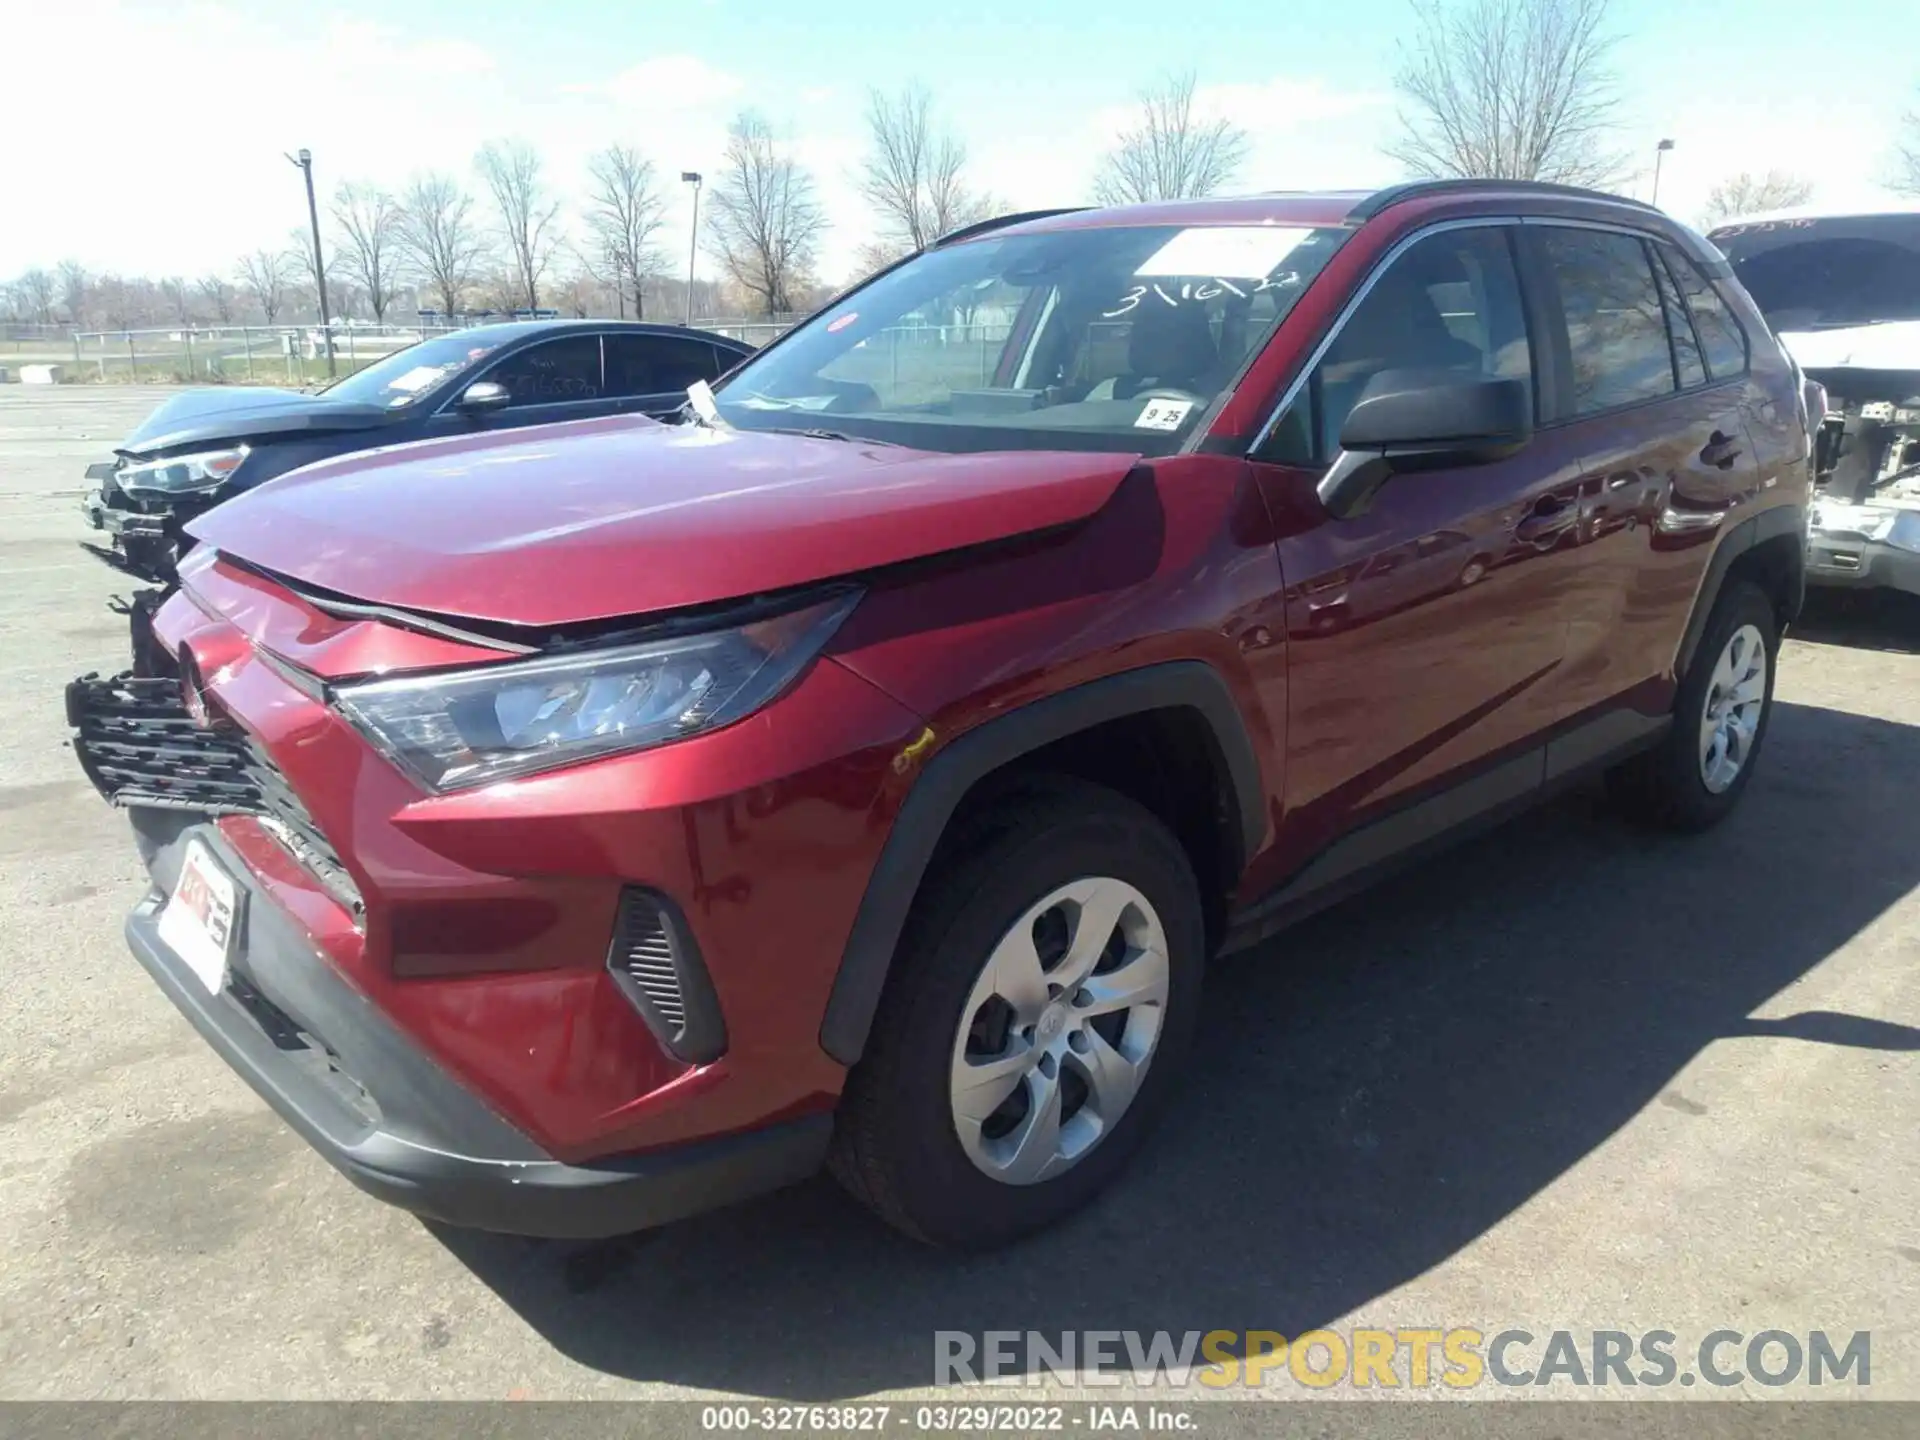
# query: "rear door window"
{"points": [[657, 364], [1687, 362], [1721, 337], [1616, 329]]}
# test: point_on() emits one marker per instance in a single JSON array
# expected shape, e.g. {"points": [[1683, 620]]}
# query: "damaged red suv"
{"points": [[568, 829]]}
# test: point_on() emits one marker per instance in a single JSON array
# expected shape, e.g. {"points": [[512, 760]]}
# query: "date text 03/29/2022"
{"points": [[964, 1418]]}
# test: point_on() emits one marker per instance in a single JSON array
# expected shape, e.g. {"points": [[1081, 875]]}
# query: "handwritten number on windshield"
{"points": [[1200, 291]]}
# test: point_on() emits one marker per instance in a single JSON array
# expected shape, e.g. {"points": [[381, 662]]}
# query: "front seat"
{"points": [[1169, 347]]}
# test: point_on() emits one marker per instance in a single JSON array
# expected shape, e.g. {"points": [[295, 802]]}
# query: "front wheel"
{"points": [[1041, 999], [1697, 774]]}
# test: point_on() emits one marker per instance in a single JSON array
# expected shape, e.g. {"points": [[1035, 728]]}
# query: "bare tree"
{"points": [[1170, 153], [914, 172], [369, 222], [34, 293], [438, 235], [179, 298], [1750, 194], [74, 282], [219, 294], [1509, 90], [263, 274], [763, 221], [1906, 156], [524, 209], [625, 210]]}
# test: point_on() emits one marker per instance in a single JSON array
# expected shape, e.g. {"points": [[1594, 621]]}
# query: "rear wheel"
{"points": [[1699, 771], [1041, 999]]}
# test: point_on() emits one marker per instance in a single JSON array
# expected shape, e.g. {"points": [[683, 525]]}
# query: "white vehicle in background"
{"points": [[1842, 291]]}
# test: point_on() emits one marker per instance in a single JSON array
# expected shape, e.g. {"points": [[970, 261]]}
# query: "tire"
{"points": [[1671, 787], [898, 1146]]}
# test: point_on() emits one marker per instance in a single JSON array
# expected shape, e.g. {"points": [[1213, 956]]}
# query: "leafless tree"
{"points": [[219, 294], [74, 282], [179, 298], [1509, 90], [369, 221], [264, 276], [1750, 194], [439, 237], [1906, 156], [34, 293], [524, 210], [914, 172], [1170, 153], [625, 210], [763, 221]]}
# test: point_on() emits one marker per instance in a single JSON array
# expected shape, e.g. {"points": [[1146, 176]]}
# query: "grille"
{"points": [[648, 959], [654, 961], [141, 748]]}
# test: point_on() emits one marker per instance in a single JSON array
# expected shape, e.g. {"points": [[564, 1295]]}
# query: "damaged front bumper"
{"points": [[1865, 547]]}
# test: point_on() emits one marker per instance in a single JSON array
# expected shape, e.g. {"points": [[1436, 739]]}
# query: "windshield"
{"points": [[1108, 338], [406, 375], [1818, 274]]}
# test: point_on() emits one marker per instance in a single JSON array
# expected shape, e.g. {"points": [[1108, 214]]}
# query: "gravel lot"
{"points": [[1565, 1077]]}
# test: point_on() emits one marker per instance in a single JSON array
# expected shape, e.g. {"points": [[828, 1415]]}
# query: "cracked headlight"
{"points": [[181, 474], [1905, 531], [457, 729]]}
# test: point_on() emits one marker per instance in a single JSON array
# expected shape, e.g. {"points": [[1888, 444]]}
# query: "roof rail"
{"points": [[1415, 189], [983, 227]]}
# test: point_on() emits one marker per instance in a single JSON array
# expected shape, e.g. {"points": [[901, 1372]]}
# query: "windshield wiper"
{"points": [[814, 432]]}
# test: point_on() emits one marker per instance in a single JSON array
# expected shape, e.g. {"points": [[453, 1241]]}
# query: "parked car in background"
{"points": [[1842, 291], [204, 446], [569, 833]]}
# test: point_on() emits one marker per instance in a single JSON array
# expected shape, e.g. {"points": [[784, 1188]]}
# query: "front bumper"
{"points": [[387, 1117], [1854, 563]]}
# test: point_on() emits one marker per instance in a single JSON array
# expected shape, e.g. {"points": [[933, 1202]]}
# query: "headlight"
{"points": [[181, 474], [458, 729], [1905, 531]]}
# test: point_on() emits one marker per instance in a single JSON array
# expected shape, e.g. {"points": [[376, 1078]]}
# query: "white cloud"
{"points": [[667, 84]]}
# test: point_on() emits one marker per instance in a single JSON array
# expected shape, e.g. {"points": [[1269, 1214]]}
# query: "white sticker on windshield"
{"points": [[1163, 414], [417, 378], [1242, 251]]}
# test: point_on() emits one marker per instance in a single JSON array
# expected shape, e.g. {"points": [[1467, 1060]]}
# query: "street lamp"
{"points": [[304, 160], [692, 177], [1658, 151]]}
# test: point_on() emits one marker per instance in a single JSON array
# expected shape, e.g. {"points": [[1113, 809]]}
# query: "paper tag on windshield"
{"points": [[417, 378], [1163, 414], [700, 396], [1245, 252]]}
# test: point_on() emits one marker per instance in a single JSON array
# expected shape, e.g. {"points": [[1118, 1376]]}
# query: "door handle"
{"points": [[1720, 451], [1550, 518]]}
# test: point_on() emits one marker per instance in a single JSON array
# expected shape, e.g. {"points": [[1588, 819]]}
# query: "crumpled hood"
{"points": [[241, 412], [624, 516], [1894, 345]]}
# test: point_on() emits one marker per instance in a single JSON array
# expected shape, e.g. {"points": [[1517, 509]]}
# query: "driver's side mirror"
{"points": [[1407, 421], [483, 396]]}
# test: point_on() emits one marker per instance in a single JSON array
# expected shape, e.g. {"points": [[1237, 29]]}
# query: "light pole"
{"points": [[1659, 151], [692, 177], [304, 160]]}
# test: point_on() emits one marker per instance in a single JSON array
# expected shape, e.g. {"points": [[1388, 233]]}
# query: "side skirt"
{"points": [[1487, 798]]}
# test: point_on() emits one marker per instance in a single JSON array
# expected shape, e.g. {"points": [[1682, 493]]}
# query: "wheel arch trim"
{"points": [[1769, 524], [990, 746]]}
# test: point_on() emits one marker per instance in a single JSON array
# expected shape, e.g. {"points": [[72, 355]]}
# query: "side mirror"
{"points": [[484, 395], [1407, 421]]}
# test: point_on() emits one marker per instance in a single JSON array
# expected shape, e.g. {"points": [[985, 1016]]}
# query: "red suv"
{"points": [[573, 828]]}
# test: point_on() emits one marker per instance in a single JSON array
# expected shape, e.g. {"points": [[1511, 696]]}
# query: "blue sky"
{"points": [[165, 123]]}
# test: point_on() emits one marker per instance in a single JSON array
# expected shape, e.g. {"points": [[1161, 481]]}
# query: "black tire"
{"points": [[1664, 788], [895, 1145]]}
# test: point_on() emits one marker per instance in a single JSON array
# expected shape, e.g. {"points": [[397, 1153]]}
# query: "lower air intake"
{"points": [[657, 966]]}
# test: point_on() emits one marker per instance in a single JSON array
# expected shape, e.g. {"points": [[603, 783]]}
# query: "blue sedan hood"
{"points": [[241, 412]]}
